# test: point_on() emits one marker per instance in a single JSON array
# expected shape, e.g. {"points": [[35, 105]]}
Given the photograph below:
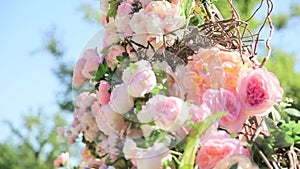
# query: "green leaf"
{"points": [[197, 20], [102, 69], [189, 154], [133, 67], [187, 7], [234, 166], [292, 112], [157, 89], [123, 57], [113, 8]]}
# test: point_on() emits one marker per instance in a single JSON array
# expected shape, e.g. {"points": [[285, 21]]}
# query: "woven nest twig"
{"points": [[231, 33]]}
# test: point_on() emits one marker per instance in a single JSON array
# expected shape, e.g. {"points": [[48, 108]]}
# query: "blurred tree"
{"points": [[9, 159], [63, 69], [35, 145]]}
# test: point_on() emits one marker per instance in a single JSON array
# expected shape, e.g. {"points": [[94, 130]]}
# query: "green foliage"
{"points": [[190, 149], [36, 143], [63, 69], [282, 65], [102, 69], [284, 133], [280, 21], [187, 7], [113, 8], [8, 157], [90, 13], [234, 166]]}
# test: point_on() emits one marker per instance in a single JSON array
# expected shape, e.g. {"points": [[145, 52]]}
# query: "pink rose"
{"points": [[84, 100], [120, 101], [151, 23], [89, 126], [218, 147], [91, 64], [150, 158], [123, 27], [78, 78], [141, 82], [124, 8], [168, 113], [110, 35], [141, 64], [110, 145], [145, 3], [62, 159], [107, 120], [234, 67], [111, 55], [102, 94], [198, 114], [207, 72], [225, 100], [163, 9], [258, 91]]}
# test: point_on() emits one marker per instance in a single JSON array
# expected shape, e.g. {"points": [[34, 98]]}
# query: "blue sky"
{"points": [[27, 80]]}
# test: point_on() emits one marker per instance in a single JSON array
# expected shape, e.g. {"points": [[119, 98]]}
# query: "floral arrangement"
{"points": [[174, 86]]}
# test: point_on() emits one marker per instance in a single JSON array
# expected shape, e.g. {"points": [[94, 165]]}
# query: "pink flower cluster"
{"points": [[148, 24], [62, 159], [141, 107]]}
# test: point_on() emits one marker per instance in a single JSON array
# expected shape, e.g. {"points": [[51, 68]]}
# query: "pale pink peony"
{"points": [[120, 101], [168, 113], [198, 114], [112, 144], [150, 158], [110, 36], [207, 72], [243, 161], [218, 147], [111, 55], [145, 3], [141, 64], [225, 100], [123, 27], [151, 23], [102, 94], [124, 8], [107, 120], [84, 100], [182, 85], [234, 67], [258, 91], [141, 82], [89, 126], [163, 9], [92, 63], [78, 78], [62, 159]]}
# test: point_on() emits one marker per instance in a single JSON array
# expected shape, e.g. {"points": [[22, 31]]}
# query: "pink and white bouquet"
{"points": [[165, 96]]}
